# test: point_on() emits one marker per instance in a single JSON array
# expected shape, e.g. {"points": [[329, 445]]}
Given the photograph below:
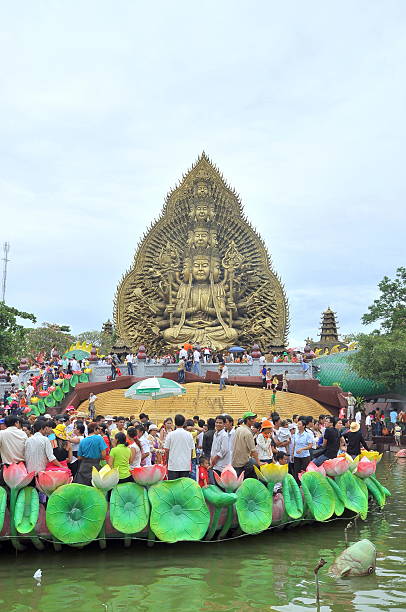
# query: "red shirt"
{"points": [[203, 476]]}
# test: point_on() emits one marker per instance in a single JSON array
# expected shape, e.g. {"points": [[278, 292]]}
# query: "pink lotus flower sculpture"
{"points": [[229, 481], [149, 474], [365, 468], [16, 475], [312, 467], [50, 480], [336, 466]]}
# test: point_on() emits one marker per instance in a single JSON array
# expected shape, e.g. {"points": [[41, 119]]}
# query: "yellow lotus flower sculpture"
{"points": [[371, 455], [106, 479], [270, 472]]}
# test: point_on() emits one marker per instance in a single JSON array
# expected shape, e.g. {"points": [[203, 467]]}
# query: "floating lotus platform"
{"points": [[155, 509]]}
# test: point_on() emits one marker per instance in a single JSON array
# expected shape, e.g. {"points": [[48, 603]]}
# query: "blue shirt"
{"points": [[393, 416], [301, 440], [91, 447]]}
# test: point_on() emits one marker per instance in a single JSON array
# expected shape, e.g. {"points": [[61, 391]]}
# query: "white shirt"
{"points": [[12, 445], [221, 448], [368, 420], [231, 436], [250, 360], [262, 359], [75, 365], [196, 356], [180, 445], [38, 452], [183, 353], [224, 372], [137, 456], [146, 449], [264, 447], [358, 417], [130, 358]]}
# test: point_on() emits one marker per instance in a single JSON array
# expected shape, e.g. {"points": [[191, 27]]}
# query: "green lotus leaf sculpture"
{"points": [[50, 401], [129, 507], [292, 497], [217, 497], [178, 510], [375, 491], [26, 510], [73, 381], [65, 385], [3, 506], [75, 513], [319, 497], [58, 395], [254, 506], [353, 493], [339, 497]]}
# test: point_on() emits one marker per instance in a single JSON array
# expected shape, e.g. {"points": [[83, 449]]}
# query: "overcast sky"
{"points": [[104, 105]]}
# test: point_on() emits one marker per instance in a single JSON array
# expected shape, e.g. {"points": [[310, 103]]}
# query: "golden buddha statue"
{"points": [[201, 274], [200, 310]]}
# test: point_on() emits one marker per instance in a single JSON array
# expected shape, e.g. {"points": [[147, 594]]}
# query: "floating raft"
{"points": [[179, 510]]}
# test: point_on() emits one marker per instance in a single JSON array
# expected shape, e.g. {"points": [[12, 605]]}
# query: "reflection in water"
{"points": [[271, 572]]}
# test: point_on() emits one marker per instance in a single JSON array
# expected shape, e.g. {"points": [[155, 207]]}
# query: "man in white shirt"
{"points": [[12, 441], [229, 429], [130, 361], [223, 376], [38, 449], [220, 455], [179, 447], [75, 365], [196, 362], [183, 354], [350, 406], [29, 392], [262, 359]]}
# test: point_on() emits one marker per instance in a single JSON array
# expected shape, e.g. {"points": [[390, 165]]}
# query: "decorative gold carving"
{"points": [[201, 274]]}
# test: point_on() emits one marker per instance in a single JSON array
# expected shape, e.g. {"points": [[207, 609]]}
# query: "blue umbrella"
{"points": [[236, 349]]}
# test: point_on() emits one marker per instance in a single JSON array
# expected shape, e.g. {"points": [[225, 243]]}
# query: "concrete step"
{"points": [[207, 401]]}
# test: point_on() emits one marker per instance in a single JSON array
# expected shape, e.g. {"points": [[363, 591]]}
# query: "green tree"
{"points": [[46, 337], [12, 334], [390, 307], [381, 355], [92, 337]]}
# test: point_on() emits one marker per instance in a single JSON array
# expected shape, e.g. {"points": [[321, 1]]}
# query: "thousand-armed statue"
{"points": [[201, 274]]}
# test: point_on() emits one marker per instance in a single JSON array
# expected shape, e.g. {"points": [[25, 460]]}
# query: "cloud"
{"points": [[301, 106]]}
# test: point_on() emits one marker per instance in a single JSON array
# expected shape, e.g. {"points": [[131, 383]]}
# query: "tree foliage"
{"points": [[46, 337], [12, 334], [390, 307], [102, 340], [381, 355]]}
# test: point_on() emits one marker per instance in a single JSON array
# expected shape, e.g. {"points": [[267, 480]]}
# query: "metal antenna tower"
{"points": [[6, 249]]}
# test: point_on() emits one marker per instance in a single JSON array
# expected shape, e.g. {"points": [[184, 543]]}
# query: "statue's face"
{"points": [[202, 189], [201, 268], [201, 238], [202, 211]]}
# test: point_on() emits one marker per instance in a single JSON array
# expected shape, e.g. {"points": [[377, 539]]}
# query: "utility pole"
{"points": [[6, 249]]}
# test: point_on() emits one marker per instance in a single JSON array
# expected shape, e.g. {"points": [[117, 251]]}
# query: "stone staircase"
{"points": [[207, 401]]}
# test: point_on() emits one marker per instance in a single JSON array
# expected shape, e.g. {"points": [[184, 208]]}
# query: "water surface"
{"points": [[272, 571]]}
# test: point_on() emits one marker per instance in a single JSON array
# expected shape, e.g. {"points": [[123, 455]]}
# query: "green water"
{"points": [[268, 572]]}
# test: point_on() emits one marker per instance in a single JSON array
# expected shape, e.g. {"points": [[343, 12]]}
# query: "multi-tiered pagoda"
{"points": [[328, 333]]}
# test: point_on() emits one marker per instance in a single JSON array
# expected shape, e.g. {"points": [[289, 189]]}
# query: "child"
{"points": [[203, 472], [268, 378], [285, 381], [398, 433], [275, 383], [273, 398]]}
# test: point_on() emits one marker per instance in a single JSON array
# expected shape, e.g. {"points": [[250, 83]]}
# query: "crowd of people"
{"points": [[17, 395], [189, 447]]}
